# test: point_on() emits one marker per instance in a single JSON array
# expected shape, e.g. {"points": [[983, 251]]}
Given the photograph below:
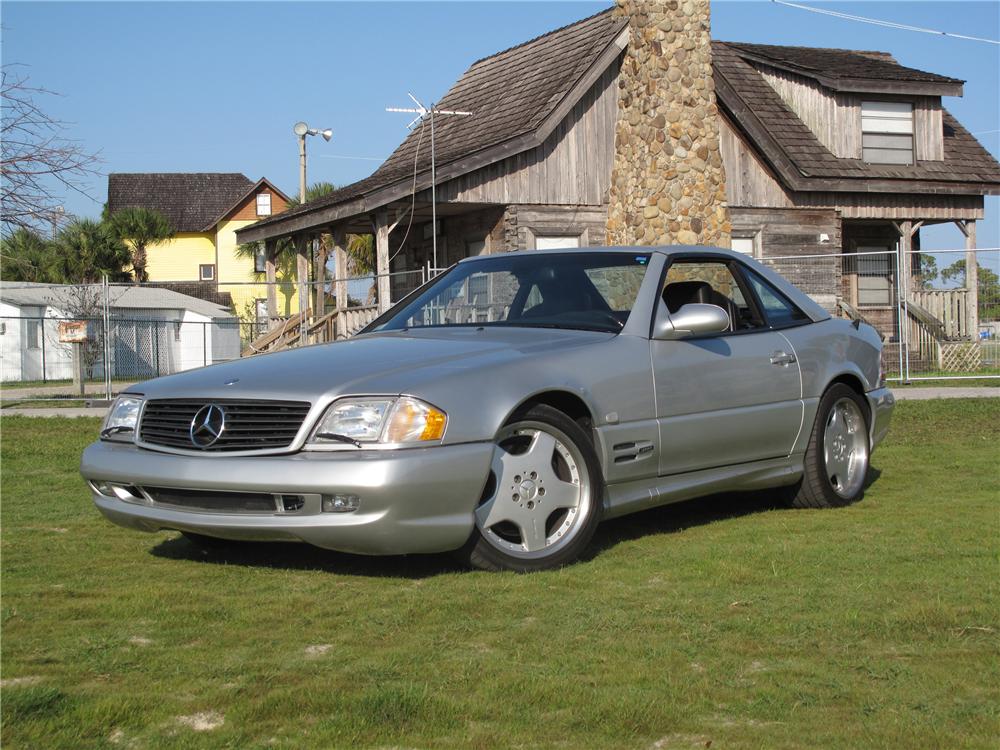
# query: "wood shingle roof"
{"points": [[191, 201], [840, 64], [795, 152], [512, 93]]}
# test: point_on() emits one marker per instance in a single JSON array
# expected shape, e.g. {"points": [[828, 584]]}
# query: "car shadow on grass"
{"points": [[301, 556], [674, 517], [664, 519]]}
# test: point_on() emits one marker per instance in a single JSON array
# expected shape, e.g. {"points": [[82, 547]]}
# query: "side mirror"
{"points": [[695, 319]]}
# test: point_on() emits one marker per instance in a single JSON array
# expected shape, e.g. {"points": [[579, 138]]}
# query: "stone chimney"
{"points": [[667, 183]]}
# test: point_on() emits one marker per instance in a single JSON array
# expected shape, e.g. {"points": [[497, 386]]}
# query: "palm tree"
{"points": [[23, 256], [140, 227], [86, 250]]}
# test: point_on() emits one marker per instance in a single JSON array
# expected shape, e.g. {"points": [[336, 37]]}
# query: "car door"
{"points": [[726, 398]]}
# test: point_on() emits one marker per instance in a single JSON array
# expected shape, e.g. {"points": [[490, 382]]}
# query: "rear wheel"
{"points": [[542, 501], [836, 460]]}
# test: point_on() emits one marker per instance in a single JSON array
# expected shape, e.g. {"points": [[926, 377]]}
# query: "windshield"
{"points": [[583, 290]]}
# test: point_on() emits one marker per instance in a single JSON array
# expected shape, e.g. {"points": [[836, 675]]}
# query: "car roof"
{"points": [[809, 306]]}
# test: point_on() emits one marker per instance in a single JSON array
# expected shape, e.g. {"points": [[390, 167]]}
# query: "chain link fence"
{"points": [[139, 331], [935, 322], [936, 319]]}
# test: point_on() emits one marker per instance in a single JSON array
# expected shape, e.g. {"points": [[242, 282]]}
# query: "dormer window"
{"points": [[887, 132]]}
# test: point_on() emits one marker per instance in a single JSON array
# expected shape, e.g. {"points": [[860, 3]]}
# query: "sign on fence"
{"points": [[72, 331]]}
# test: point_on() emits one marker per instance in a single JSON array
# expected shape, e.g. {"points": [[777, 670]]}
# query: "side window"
{"points": [[709, 282], [780, 311]]}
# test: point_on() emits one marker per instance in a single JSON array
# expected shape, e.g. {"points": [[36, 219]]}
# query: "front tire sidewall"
{"points": [[815, 489], [480, 553]]}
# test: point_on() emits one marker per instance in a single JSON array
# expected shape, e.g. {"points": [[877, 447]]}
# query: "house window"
{"points": [[874, 278], [206, 272], [33, 334], [260, 260], [745, 244], [552, 242], [474, 248], [887, 132], [263, 204]]}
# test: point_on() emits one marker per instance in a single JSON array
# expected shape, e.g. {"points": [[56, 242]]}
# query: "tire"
{"points": [[836, 459], [543, 499]]}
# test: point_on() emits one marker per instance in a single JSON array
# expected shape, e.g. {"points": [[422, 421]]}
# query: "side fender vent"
{"points": [[634, 451]]}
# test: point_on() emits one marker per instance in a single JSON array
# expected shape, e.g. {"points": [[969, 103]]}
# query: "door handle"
{"points": [[782, 358]]}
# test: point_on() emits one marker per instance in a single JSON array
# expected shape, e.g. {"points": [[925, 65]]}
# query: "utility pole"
{"points": [[302, 130], [421, 111]]}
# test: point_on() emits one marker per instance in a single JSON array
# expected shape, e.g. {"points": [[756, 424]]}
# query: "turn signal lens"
{"points": [[414, 421]]}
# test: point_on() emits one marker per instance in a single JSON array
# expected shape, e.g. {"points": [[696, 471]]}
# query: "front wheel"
{"points": [[836, 460], [542, 501]]}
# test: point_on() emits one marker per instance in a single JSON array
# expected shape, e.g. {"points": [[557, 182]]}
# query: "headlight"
{"points": [[123, 419], [380, 420]]}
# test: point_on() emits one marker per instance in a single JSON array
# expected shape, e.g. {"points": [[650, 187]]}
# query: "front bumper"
{"points": [[881, 402], [414, 500]]}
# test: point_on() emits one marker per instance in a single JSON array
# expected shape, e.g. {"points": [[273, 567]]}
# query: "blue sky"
{"points": [[217, 86]]}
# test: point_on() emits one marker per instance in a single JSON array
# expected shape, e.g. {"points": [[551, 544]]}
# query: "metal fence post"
{"points": [[44, 376], [900, 320], [106, 336], [204, 346]]}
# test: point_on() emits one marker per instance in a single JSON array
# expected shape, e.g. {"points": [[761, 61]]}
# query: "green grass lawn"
{"points": [[725, 620]]}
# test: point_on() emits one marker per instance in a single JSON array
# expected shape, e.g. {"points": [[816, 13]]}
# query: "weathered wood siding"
{"points": [[835, 118], [748, 181], [928, 129], [893, 206], [788, 233], [529, 222], [572, 167]]}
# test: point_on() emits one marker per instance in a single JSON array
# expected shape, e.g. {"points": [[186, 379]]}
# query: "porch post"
{"points": [[971, 279], [905, 280], [319, 276], [302, 277], [270, 275], [339, 237], [382, 258]]}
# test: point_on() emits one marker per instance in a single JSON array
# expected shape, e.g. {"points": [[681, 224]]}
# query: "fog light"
{"points": [[340, 503], [104, 488]]}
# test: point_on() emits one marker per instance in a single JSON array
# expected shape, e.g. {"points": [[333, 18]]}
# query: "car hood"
{"points": [[379, 363]]}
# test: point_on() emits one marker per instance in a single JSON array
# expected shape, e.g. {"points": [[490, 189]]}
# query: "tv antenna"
{"points": [[421, 112]]}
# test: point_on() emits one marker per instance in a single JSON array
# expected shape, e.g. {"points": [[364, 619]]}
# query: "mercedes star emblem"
{"points": [[207, 426]]}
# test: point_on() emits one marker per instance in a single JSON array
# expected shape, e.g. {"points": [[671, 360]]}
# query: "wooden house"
{"points": [[824, 151]]}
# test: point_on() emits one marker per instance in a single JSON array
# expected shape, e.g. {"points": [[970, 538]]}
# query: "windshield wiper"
{"points": [[115, 430], [564, 327], [338, 438]]}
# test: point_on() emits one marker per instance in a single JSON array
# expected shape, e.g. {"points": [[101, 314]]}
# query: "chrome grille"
{"points": [[249, 425]]}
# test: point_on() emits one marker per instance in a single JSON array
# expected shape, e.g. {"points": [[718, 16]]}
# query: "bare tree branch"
{"points": [[38, 161]]}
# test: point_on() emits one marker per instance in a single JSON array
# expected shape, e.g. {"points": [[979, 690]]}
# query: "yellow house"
{"points": [[205, 210]]}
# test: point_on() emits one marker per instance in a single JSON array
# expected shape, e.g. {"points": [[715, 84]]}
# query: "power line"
{"points": [[359, 158], [886, 24]]}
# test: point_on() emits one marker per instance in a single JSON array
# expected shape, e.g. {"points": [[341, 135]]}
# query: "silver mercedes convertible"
{"points": [[505, 408]]}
